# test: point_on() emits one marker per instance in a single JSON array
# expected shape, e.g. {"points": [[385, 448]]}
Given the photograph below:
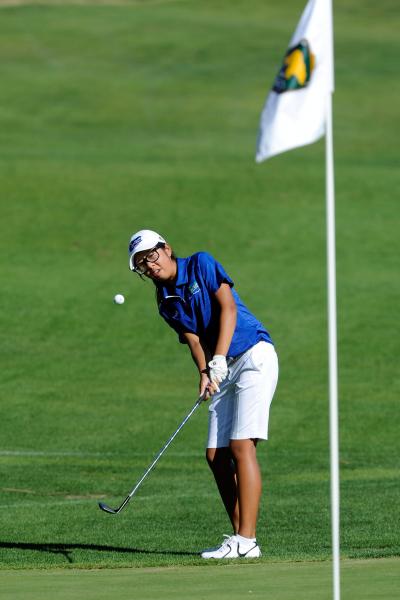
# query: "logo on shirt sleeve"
{"points": [[194, 288]]}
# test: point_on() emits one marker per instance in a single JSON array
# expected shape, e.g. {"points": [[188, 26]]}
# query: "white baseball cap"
{"points": [[145, 239]]}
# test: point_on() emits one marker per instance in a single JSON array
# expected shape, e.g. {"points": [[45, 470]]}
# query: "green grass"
{"points": [[114, 118], [362, 580]]}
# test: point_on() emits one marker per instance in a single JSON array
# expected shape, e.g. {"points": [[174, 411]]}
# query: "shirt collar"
{"points": [[181, 279], [182, 275]]}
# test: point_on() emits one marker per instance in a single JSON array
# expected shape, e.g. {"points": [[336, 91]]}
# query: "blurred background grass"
{"points": [[145, 114]]}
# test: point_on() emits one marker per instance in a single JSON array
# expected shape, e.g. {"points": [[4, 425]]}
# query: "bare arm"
{"points": [[200, 353], [227, 319], [201, 357]]}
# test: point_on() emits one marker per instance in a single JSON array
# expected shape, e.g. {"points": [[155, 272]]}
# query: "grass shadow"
{"points": [[66, 549]]}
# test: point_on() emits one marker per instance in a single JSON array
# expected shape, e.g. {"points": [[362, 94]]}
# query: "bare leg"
{"points": [[222, 465], [248, 485]]}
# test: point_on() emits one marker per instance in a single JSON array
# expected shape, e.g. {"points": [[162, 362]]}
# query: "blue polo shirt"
{"points": [[189, 305]]}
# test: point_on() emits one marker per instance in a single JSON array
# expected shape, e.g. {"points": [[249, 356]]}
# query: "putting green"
{"points": [[361, 580]]}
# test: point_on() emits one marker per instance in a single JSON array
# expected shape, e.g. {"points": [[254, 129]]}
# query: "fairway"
{"points": [[362, 580], [117, 116]]}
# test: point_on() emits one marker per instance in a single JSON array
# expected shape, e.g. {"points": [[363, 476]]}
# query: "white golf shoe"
{"points": [[231, 548]]}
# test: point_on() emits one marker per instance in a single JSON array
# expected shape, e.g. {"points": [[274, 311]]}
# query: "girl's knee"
{"points": [[243, 448]]}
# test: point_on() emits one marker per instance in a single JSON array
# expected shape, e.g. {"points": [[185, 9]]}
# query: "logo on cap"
{"points": [[134, 243]]}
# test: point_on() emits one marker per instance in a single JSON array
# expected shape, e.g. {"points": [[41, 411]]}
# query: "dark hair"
{"points": [[157, 285]]}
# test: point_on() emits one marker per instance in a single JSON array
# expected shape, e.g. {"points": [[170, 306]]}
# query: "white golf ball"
{"points": [[119, 299]]}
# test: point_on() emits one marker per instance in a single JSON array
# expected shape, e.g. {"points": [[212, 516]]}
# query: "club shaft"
{"points": [[163, 449]]}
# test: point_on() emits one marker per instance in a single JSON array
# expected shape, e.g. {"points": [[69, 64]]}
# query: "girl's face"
{"points": [[157, 263]]}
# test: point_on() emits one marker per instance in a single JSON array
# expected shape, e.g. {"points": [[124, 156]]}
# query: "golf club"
{"points": [[115, 511]]}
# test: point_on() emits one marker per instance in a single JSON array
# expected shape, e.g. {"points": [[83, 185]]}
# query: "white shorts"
{"points": [[240, 410]]}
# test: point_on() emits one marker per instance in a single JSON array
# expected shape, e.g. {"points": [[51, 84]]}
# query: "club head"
{"points": [[107, 509]]}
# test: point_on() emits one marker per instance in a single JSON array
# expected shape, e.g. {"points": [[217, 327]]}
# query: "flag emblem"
{"points": [[289, 120], [298, 65]]}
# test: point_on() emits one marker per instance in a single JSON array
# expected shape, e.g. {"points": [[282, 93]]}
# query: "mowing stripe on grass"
{"points": [[45, 453], [138, 3], [361, 580]]}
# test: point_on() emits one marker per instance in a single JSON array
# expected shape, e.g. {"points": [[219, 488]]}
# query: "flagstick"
{"points": [[332, 328]]}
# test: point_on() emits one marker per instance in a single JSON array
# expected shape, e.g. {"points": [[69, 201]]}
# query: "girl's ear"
{"points": [[168, 250]]}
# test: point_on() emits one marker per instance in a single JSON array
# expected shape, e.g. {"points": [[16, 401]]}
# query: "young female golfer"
{"points": [[237, 366]]}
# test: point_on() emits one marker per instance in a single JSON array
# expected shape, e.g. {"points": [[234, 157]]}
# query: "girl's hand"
{"points": [[218, 369], [206, 386]]}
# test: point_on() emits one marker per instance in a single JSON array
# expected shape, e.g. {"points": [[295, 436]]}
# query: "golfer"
{"points": [[238, 370]]}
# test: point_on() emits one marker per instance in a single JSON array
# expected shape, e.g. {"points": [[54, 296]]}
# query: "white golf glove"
{"points": [[218, 369]]}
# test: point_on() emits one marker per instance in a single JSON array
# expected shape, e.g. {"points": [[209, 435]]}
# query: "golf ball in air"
{"points": [[119, 299]]}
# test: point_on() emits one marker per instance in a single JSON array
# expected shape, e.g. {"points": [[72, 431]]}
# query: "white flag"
{"points": [[295, 110]]}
